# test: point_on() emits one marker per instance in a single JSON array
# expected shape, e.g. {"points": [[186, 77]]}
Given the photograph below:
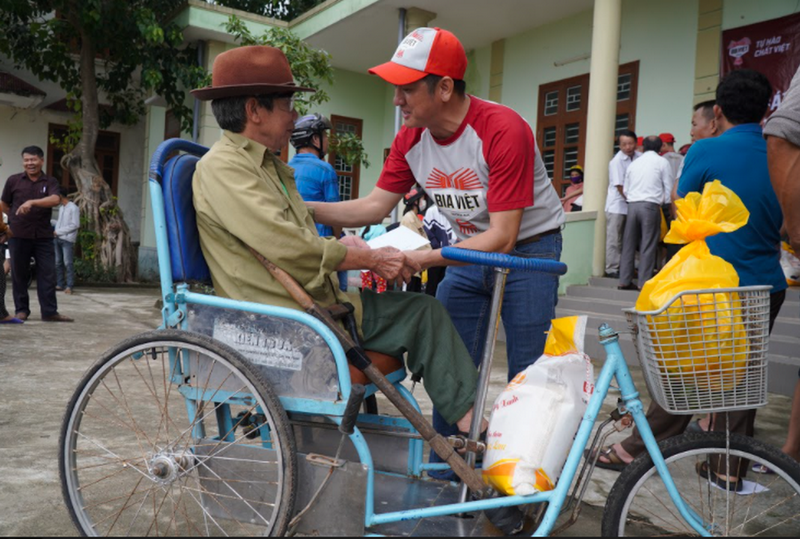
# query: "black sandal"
{"points": [[724, 484], [615, 463]]}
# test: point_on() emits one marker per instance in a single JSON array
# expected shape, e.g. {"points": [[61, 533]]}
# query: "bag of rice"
{"points": [[534, 420]]}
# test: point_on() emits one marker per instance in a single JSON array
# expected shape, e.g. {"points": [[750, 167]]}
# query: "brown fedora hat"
{"points": [[254, 70]]}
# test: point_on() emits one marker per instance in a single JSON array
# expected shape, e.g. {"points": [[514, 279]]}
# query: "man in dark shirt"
{"points": [[27, 199]]}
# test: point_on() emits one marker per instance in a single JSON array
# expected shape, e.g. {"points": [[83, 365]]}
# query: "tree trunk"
{"points": [[99, 208]]}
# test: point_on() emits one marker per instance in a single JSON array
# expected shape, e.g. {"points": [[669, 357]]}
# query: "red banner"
{"points": [[770, 47]]}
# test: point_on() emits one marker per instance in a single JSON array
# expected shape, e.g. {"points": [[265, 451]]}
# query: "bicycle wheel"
{"points": [[639, 505], [172, 433]]}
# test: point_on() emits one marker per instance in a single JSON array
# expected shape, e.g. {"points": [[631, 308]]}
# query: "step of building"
{"points": [[600, 301], [792, 293], [784, 351], [791, 306]]}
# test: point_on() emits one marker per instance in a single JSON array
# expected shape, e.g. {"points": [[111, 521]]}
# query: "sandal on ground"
{"points": [[615, 463], [12, 320], [724, 484], [694, 426]]}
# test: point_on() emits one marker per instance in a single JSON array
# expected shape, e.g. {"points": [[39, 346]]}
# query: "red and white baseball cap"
{"points": [[425, 51]]}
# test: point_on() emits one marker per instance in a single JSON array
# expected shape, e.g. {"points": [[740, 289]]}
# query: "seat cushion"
{"points": [[385, 363], [186, 257]]}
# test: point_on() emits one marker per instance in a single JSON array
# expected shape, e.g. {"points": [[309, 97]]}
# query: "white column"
{"points": [[601, 117]]}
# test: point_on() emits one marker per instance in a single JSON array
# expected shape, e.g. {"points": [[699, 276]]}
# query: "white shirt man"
{"points": [[616, 205], [646, 182], [649, 179]]}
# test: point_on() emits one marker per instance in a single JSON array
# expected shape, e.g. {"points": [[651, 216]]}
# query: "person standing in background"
{"points": [[316, 179], [646, 183], [28, 199], [66, 234], [782, 131], [5, 233], [573, 197], [616, 205]]}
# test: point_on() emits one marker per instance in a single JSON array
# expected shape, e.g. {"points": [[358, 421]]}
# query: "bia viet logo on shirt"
{"points": [[738, 49], [460, 195]]}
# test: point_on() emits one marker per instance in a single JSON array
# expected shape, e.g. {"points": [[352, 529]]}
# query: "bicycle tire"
{"points": [[237, 483], [776, 509]]}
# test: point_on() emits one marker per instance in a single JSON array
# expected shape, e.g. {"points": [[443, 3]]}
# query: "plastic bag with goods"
{"points": [[790, 263], [700, 334], [534, 420]]}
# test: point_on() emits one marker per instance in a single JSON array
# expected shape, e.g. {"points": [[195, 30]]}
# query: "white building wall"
{"points": [[661, 35]]}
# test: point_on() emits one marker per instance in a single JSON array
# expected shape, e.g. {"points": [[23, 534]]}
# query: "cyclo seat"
{"points": [[384, 362], [189, 264]]}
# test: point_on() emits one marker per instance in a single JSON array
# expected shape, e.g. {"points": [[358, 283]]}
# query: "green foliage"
{"points": [[277, 9], [87, 240], [310, 66], [349, 148], [129, 37], [71, 138], [92, 271], [88, 267]]}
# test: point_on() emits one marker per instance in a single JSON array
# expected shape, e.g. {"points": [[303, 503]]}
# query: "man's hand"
{"points": [[393, 265], [25, 208], [424, 258], [7, 267]]}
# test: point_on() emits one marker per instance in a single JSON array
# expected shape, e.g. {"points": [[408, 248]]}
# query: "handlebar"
{"points": [[499, 260]]}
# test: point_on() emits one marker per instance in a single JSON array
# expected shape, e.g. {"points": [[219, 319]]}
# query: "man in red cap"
{"points": [[479, 163], [675, 159], [246, 197]]}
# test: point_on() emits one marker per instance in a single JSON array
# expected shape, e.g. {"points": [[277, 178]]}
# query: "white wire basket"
{"points": [[706, 350]]}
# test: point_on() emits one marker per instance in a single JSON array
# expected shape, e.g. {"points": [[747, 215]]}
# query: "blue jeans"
{"points": [[64, 263], [529, 304]]}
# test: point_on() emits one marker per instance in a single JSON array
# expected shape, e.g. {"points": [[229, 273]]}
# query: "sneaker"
{"points": [[68, 291]]}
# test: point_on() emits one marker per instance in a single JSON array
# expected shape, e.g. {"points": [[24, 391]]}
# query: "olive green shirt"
{"points": [[244, 195]]}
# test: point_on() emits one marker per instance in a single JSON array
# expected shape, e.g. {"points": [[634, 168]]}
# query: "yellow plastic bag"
{"points": [[790, 263], [701, 335], [664, 227]]}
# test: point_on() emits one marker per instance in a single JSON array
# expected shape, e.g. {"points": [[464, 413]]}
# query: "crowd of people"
{"points": [[451, 149], [728, 145], [30, 236], [479, 162]]}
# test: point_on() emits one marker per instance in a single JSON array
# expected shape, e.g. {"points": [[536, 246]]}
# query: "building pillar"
{"points": [[707, 62], [601, 117], [209, 131], [496, 72], [418, 18]]}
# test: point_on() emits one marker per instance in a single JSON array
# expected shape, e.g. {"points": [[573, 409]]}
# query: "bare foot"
{"points": [[623, 455]]}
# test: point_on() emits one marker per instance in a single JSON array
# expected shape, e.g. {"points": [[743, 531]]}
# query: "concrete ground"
{"points": [[42, 363]]}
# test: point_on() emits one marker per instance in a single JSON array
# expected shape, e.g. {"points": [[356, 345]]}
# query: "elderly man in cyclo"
{"points": [[246, 197]]}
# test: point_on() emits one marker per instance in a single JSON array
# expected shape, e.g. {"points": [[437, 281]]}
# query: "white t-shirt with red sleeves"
{"points": [[491, 164]]}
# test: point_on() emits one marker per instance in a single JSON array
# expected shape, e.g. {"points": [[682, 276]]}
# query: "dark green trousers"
{"points": [[397, 322]]}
